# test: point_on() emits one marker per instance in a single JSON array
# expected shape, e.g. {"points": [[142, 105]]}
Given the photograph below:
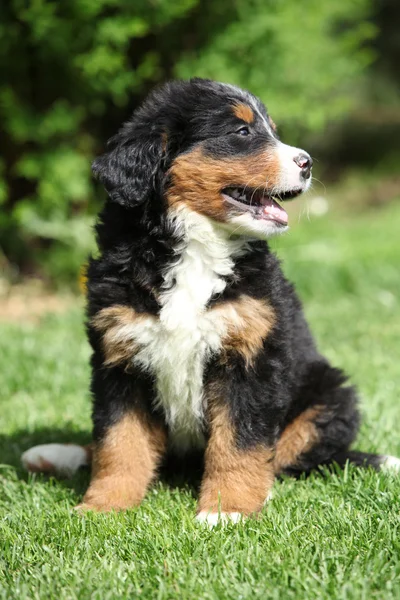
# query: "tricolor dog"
{"points": [[199, 342]]}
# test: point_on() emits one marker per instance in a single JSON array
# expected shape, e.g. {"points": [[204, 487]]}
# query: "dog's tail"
{"points": [[57, 459], [379, 462], [65, 459]]}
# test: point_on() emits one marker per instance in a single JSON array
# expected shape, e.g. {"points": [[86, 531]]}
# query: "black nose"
{"points": [[305, 162]]}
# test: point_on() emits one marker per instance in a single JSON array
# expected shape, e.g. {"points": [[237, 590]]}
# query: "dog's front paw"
{"points": [[111, 494], [223, 518], [101, 506], [85, 507]]}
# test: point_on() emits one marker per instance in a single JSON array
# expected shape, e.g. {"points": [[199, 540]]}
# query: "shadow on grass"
{"points": [[177, 473]]}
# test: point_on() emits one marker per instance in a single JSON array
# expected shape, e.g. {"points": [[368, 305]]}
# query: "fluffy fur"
{"points": [[199, 341]]}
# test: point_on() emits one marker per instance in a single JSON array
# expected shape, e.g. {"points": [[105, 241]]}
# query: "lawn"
{"points": [[327, 537]]}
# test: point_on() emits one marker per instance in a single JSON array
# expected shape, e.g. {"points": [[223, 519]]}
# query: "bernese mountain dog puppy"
{"points": [[199, 341]]}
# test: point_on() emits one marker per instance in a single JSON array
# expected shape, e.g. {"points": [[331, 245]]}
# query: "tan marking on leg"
{"points": [[125, 463], [117, 325], [197, 180], [235, 480], [243, 112], [298, 437], [249, 322]]}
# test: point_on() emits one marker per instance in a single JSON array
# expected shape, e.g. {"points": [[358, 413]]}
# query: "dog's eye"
{"points": [[243, 131]]}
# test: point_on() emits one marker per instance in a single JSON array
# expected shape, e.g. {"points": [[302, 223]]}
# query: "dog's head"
{"points": [[211, 148]]}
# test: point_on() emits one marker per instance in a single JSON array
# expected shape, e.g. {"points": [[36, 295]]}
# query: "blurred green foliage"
{"points": [[72, 70], [294, 55]]}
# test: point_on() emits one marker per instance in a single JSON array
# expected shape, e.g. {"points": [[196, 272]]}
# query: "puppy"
{"points": [[199, 341]]}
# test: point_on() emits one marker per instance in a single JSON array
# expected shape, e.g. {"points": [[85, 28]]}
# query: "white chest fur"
{"points": [[175, 347]]}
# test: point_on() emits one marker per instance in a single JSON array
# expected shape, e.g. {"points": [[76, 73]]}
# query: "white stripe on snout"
{"points": [[290, 172], [264, 120]]}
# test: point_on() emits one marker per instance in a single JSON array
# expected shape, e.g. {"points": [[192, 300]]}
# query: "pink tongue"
{"points": [[272, 210]]}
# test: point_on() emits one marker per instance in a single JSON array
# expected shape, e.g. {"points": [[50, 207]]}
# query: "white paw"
{"points": [[211, 518], [62, 459], [391, 463]]}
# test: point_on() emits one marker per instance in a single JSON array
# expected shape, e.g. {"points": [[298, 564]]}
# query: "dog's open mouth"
{"points": [[259, 203]]}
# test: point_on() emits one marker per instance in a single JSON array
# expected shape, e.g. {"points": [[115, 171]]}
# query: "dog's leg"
{"points": [[125, 462], [128, 440], [236, 481], [323, 422], [323, 426]]}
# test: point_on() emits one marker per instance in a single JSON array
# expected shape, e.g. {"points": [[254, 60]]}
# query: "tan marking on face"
{"points": [[235, 480], [125, 463], [243, 112], [114, 324], [197, 179], [272, 123], [249, 322], [298, 437]]}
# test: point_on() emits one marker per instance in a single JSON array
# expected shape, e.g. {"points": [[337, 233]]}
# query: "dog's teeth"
{"points": [[235, 193]]}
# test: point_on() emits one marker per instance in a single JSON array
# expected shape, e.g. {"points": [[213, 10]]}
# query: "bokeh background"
{"points": [[73, 70]]}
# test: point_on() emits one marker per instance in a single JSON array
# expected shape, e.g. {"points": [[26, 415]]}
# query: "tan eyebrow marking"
{"points": [[244, 112], [272, 123]]}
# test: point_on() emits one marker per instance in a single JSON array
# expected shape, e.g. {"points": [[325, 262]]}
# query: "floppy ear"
{"points": [[128, 170]]}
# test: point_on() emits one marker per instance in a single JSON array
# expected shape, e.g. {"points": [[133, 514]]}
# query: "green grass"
{"points": [[333, 537]]}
